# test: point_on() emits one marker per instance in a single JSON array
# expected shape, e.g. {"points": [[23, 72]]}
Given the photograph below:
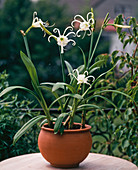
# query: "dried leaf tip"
{"points": [[22, 32]]}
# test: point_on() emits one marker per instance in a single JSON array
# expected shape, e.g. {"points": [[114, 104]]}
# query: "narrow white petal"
{"points": [[70, 33], [77, 33], [55, 30], [86, 72], [92, 77], [79, 17], [34, 14], [74, 43], [84, 34], [69, 27], [75, 21], [91, 19], [90, 32], [90, 13], [51, 36]]}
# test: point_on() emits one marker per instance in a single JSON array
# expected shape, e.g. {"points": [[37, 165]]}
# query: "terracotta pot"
{"points": [[65, 151]]}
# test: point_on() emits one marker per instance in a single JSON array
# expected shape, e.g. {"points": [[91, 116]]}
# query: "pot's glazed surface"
{"points": [[67, 150]]}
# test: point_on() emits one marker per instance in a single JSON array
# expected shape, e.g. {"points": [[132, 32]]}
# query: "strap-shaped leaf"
{"points": [[30, 67], [93, 69], [116, 91], [84, 58], [88, 107], [104, 73], [70, 69], [61, 85], [54, 93], [106, 99], [47, 83], [77, 96], [59, 121], [26, 127], [8, 89], [96, 64]]}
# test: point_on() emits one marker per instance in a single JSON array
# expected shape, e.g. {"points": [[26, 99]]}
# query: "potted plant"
{"points": [[61, 141]]}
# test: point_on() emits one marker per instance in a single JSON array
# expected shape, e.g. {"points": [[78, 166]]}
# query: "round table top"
{"points": [[93, 162]]}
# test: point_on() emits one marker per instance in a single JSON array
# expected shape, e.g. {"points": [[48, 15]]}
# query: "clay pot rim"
{"points": [[87, 128]]}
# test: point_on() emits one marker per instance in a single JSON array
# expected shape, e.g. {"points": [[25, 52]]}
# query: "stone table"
{"points": [[93, 162]]}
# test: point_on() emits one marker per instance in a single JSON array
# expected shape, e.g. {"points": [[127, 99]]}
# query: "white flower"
{"points": [[82, 78], [36, 22], [85, 25], [63, 40]]}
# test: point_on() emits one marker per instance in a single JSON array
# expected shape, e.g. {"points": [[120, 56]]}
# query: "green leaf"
{"points": [[126, 42], [47, 83], [8, 89], [26, 127], [104, 58], [77, 96], [84, 58], [61, 85], [125, 143], [104, 73], [106, 99], [70, 69], [54, 93], [96, 64], [93, 69], [30, 67], [59, 121], [88, 107], [119, 92]]}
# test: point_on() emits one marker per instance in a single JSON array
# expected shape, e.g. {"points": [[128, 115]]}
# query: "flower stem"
{"points": [[91, 44], [28, 29], [90, 60], [73, 113], [26, 43], [63, 69], [48, 32]]}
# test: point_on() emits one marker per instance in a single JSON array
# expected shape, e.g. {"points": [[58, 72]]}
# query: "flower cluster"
{"points": [[77, 95], [62, 39]]}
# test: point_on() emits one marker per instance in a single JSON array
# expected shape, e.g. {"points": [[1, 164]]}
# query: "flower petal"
{"points": [[89, 13], [79, 17], [51, 36], [70, 34], [74, 43], [55, 30], [69, 27]]}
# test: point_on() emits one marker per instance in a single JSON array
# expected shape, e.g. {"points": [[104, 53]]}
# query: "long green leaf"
{"points": [[96, 64], [109, 101], [47, 83], [54, 93], [30, 67], [115, 91], [93, 69], [61, 85], [88, 107], [84, 58], [59, 121], [26, 127], [66, 95], [70, 69], [104, 73], [8, 89]]}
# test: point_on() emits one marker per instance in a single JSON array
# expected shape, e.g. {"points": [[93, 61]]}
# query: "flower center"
{"points": [[81, 78], [62, 40], [84, 26]]}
